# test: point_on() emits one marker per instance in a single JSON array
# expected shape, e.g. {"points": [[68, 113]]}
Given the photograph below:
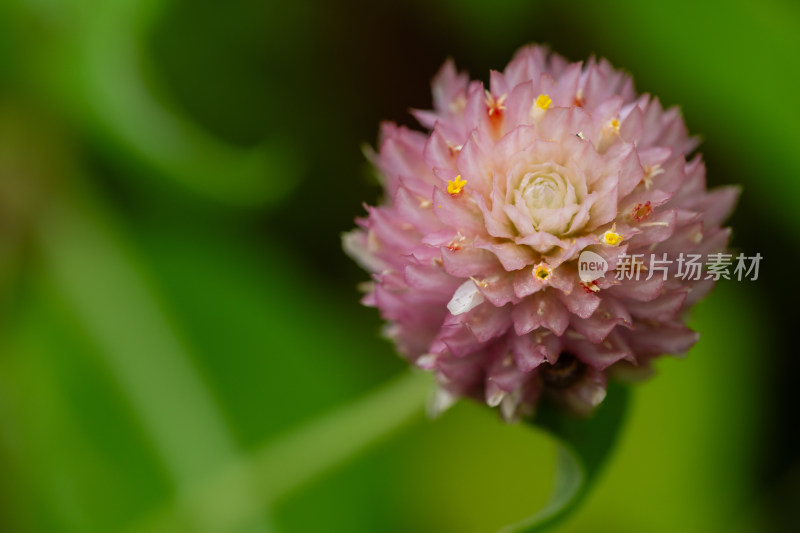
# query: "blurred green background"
{"points": [[174, 178]]}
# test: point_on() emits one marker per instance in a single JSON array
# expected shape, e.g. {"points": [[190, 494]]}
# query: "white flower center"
{"points": [[543, 191], [549, 199]]}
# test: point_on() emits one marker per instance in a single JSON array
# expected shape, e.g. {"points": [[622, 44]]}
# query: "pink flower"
{"points": [[475, 251]]}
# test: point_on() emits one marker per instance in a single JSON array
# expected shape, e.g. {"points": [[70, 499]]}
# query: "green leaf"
{"points": [[583, 447]]}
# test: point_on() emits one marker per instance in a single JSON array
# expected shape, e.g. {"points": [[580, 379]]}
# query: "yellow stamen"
{"points": [[641, 211], [612, 238], [543, 101], [541, 272], [455, 186], [615, 125]]}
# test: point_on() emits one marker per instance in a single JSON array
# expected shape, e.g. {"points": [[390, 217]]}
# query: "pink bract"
{"points": [[474, 252]]}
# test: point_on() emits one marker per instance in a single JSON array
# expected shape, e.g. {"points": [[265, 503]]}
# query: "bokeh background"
{"points": [[174, 179]]}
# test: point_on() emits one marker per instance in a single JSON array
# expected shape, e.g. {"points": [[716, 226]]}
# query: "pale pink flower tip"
{"points": [[474, 254]]}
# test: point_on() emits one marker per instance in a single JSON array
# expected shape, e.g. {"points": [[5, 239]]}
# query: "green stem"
{"points": [[238, 493]]}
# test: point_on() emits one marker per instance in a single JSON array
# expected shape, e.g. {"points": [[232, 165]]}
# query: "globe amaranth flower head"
{"points": [[474, 253]]}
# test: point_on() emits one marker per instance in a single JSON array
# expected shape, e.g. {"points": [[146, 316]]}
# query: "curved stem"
{"points": [[237, 494], [583, 447]]}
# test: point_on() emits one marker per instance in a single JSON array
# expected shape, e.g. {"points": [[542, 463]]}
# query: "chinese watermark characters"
{"points": [[691, 267]]}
